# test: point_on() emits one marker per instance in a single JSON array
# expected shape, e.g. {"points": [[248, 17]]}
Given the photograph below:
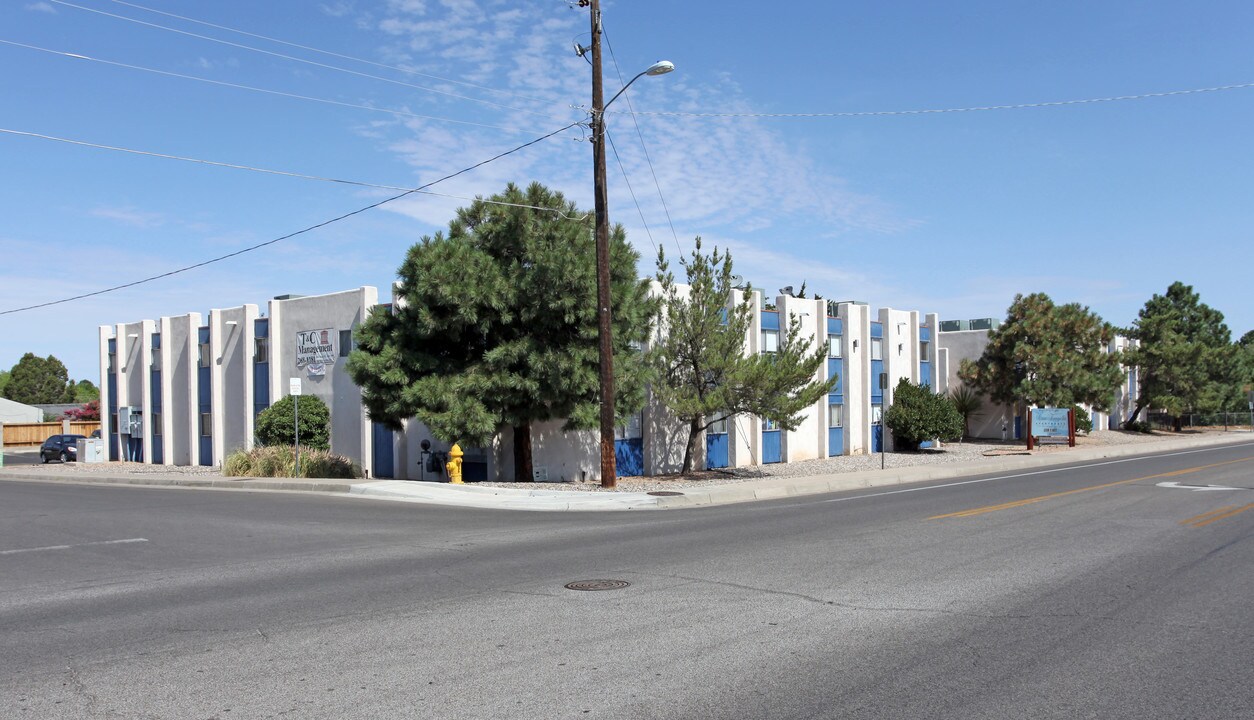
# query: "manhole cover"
{"points": [[597, 585], [665, 493]]}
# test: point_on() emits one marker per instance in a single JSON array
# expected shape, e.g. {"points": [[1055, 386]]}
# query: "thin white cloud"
{"points": [[42, 7], [129, 216]]}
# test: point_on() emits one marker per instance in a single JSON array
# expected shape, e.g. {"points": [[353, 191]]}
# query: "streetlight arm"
{"points": [[661, 67], [624, 89]]}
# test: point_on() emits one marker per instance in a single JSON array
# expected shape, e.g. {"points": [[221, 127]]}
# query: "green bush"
{"points": [[1083, 421], [280, 461], [1140, 426], [918, 414], [275, 424]]}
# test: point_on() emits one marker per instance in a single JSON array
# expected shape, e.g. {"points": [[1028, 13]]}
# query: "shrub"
{"points": [[275, 423], [918, 414], [1140, 426], [1083, 421], [280, 461]]}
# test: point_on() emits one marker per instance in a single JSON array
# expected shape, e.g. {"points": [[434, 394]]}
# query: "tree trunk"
{"points": [[522, 453], [1136, 411], [694, 436]]}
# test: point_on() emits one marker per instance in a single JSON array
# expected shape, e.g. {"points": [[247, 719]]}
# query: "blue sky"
{"points": [[1101, 203]]}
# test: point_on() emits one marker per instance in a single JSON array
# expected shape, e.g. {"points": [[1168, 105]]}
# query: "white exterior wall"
{"points": [[809, 440], [16, 412], [231, 341], [856, 321], [351, 429]]}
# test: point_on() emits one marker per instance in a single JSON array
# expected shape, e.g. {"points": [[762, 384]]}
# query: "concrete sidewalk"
{"points": [[562, 500]]}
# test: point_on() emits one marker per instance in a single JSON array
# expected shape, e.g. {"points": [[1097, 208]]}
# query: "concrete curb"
{"points": [[564, 500], [775, 488]]}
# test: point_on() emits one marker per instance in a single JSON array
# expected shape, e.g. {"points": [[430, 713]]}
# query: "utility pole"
{"points": [[609, 470]]}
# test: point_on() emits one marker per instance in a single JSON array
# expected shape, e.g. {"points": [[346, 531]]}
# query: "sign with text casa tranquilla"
{"points": [[1050, 422]]}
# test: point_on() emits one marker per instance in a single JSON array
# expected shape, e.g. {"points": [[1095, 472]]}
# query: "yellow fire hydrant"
{"points": [[454, 465]]}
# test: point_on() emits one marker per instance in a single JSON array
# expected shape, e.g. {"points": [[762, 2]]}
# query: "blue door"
{"points": [[715, 450], [877, 438], [629, 457], [772, 443], [1018, 427], [383, 461]]}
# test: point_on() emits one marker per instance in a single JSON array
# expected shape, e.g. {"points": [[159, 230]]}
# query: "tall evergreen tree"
{"points": [[701, 372], [1047, 355], [1185, 359], [495, 325], [37, 381]]}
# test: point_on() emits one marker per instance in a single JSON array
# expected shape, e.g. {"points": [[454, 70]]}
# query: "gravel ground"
{"points": [[950, 453], [971, 450]]}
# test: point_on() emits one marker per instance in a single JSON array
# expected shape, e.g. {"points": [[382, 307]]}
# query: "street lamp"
{"points": [[609, 470]]}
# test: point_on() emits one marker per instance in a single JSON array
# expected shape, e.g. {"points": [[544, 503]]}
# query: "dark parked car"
{"points": [[60, 447]]}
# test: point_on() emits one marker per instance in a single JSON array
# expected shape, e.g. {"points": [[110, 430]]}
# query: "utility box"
{"points": [[131, 421], [91, 450]]}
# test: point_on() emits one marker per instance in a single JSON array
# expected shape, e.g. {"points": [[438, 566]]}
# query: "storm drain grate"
{"points": [[665, 493], [597, 585]]}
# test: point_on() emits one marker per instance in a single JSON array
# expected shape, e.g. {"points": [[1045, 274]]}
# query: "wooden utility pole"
{"points": [[609, 471]]}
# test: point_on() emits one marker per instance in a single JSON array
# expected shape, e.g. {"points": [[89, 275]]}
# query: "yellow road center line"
{"points": [[1226, 515], [1028, 501], [1205, 515]]}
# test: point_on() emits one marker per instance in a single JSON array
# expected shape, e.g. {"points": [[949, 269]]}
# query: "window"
{"points": [[346, 342], [769, 425], [833, 346], [718, 426], [633, 430], [206, 424], [113, 359], [877, 348], [924, 351], [156, 423], [835, 415], [113, 423], [156, 359], [205, 355], [261, 350], [770, 341], [877, 413]]}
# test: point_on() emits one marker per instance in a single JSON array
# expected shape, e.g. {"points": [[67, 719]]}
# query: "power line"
{"points": [[302, 60], [267, 171], [280, 93], [645, 148], [302, 231], [935, 111], [331, 53], [633, 192]]}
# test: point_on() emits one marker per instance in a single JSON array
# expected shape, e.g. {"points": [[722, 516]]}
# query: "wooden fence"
{"points": [[36, 433]]}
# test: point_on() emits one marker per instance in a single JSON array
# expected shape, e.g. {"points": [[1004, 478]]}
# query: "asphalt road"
{"points": [[24, 456], [1065, 593]]}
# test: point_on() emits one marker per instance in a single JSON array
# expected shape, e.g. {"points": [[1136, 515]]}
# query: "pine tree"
{"points": [[1186, 361], [1047, 355], [702, 374], [495, 325], [35, 381]]}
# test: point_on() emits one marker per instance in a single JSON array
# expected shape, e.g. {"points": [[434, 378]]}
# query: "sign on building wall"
{"points": [[315, 350]]}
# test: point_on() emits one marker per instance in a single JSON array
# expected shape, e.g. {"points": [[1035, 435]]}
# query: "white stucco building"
{"points": [[186, 389]]}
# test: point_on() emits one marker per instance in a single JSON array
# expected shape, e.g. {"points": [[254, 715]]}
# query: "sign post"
{"points": [[294, 390]]}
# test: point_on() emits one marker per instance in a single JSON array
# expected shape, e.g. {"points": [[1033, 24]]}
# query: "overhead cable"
{"points": [[280, 93], [302, 231], [935, 111], [331, 53], [303, 60]]}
